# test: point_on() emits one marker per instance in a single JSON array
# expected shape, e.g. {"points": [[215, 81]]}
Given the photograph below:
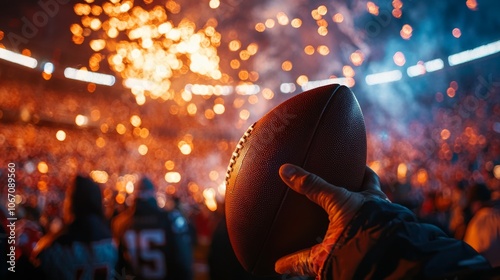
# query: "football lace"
{"points": [[236, 152]]}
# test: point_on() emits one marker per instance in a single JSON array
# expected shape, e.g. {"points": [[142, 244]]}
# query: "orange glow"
{"points": [[322, 30], [267, 94], [173, 177], [169, 165], [338, 18], [406, 31], [372, 8], [471, 4], [397, 4], [450, 92], [253, 99], [402, 170], [43, 167], [302, 79], [120, 198], [397, 13], [260, 27], [135, 120], [142, 149], [100, 142], [219, 109], [309, 50], [445, 134], [61, 135], [46, 76], [323, 50], [296, 22], [286, 65], [235, 64], [209, 114], [456, 32], [156, 49], [422, 176], [348, 71], [357, 58], [234, 45], [252, 48], [282, 18], [121, 129], [322, 10], [244, 114], [243, 75], [214, 4], [399, 59], [270, 23]]}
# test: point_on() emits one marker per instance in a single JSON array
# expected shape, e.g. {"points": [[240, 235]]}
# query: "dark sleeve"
{"points": [[385, 240]]}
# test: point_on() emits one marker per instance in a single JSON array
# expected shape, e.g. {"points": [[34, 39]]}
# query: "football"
{"points": [[321, 130]]}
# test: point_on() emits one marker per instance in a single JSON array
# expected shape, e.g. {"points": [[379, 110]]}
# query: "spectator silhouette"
{"points": [[153, 243], [83, 248], [483, 230]]}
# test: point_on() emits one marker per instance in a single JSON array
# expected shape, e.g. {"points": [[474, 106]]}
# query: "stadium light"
{"points": [[416, 70], [473, 54], [434, 65], [87, 76], [383, 77], [425, 67], [18, 58]]}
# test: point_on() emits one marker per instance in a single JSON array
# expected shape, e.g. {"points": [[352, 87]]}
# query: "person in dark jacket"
{"points": [[84, 247], [153, 243], [371, 238]]}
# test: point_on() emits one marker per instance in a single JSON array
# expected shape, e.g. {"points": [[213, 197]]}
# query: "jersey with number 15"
{"points": [[153, 243]]}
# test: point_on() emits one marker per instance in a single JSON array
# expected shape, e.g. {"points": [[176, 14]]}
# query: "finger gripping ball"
{"points": [[321, 130]]}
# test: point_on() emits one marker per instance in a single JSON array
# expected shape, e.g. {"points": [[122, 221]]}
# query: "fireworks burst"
{"points": [[146, 47]]}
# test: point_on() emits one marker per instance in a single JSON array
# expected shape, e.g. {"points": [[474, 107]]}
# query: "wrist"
{"points": [[369, 223]]}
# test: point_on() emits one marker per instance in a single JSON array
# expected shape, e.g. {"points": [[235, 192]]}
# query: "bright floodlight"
{"points": [[434, 65], [416, 70], [383, 77], [247, 89], [425, 67], [87, 76], [473, 54], [48, 68], [18, 58], [287, 87]]}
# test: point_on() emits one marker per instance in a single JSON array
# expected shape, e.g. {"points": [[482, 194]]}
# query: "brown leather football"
{"points": [[321, 130]]}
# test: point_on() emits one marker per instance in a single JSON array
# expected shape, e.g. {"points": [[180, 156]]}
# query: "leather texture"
{"points": [[321, 130]]}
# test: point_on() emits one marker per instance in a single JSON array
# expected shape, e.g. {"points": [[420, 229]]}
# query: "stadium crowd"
{"points": [[445, 166]]}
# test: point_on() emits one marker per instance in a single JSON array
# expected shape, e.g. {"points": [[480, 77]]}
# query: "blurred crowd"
{"points": [[443, 165]]}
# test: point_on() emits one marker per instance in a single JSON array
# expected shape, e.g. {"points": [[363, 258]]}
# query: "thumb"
{"points": [[298, 263], [313, 187]]}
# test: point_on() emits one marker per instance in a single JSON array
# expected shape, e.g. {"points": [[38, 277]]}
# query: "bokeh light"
{"points": [[399, 59], [61, 135], [151, 46], [193, 76]]}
